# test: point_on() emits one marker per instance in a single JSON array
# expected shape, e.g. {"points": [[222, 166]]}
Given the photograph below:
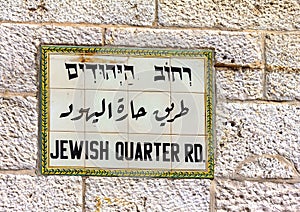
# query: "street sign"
{"points": [[109, 111]]}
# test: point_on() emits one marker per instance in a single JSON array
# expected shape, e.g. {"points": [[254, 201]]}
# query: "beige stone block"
{"points": [[98, 12], [132, 194], [40, 193], [230, 14], [239, 83], [256, 196], [245, 130], [18, 132], [283, 84], [19, 49], [241, 48], [283, 50]]}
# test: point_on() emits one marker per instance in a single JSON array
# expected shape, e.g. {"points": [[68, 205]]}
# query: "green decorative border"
{"points": [[126, 51]]}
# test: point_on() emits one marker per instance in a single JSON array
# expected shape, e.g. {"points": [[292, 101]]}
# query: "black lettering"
{"points": [[175, 152], [119, 151], [75, 150], [198, 152], [138, 152], [188, 152], [104, 150], [147, 151], [129, 152], [63, 149], [56, 150], [165, 152], [94, 150], [157, 145], [86, 150]]}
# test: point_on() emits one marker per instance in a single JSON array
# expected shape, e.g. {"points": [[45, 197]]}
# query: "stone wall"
{"points": [[257, 45]]}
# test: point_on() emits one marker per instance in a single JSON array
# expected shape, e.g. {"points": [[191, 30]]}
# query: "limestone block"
{"points": [[283, 84], [18, 132], [245, 14], [267, 166], [239, 83], [283, 50], [257, 196], [39, 193], [231, 47], [130, 194], [19, 51], [100, 12], [70, 35], [248, 129]]}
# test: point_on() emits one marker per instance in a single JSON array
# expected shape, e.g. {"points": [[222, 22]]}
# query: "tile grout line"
{"points": [[155, 22], [116, 26], [103, 36], [262, 180], [30, 172], [83, 193], [212, 192], [264, 61]]}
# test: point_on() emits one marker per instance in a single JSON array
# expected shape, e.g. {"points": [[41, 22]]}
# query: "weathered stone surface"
{"points": [[101, 12], [18, 132], [69, 35], [125, 194], [28, 193], [256, 196], [239, 83], [283, 84], [248, 129], [18, 51], [267, 166], [231, 47], [245, 14], [283, 50], [20, 46]]}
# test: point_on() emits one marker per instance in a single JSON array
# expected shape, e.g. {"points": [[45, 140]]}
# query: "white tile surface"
{"points": [[113, 117], [156, 107], [192, 110], [66, 140], [145, 74], [158, 148], [151, 102], [105, 72], [181, 81], [59, 73], [60, 101], [190, 157], [103, 143]]}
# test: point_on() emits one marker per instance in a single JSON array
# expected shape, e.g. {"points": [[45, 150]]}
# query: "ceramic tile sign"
{"points": [[126, 112]]}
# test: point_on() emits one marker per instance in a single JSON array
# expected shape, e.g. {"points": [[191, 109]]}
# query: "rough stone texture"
{"points": [[20, 46], [239, 83], [256, 196], [283, 84], [133, 12], [232, 14], [27, 193], [125, 194], [18, 132], [248, 129], [231, 47], [268, 166], [283, 50], [18, 51], [69, 35]]}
